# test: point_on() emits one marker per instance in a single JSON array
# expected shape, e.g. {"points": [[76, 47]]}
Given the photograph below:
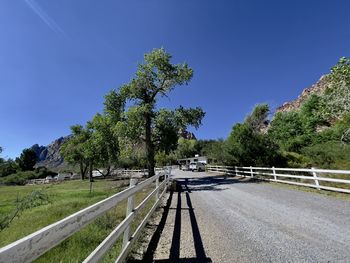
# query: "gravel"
{"points": [[213, 219]]}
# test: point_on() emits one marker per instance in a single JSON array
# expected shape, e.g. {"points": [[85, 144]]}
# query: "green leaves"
{"points": [[247, 145], [27, 160], [114, 105], [142, 122], [189, 117], [156, 76], [258, 118]]}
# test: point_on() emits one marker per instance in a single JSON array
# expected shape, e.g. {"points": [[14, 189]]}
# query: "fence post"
{"points": [[236, 170], [166, 176], [274, 173], [157, 185], [129, 208], [315, 178], [251, 172]]}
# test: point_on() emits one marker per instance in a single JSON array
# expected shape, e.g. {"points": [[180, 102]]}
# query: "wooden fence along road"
{"points": [[33, 246], [301, 177]]}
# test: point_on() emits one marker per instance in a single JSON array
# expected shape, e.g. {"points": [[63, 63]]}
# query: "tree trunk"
{"points": [[108, 171], [82, 170], [90, 171], [149, 146]]}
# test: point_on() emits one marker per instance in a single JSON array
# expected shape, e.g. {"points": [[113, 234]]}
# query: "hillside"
{"points": [[49, 156], [317, 89], [328, 99]]}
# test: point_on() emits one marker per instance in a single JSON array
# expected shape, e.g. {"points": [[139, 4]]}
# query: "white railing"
{"points": [[36, 181], [143, 172], [299, 176], [33, 246]]}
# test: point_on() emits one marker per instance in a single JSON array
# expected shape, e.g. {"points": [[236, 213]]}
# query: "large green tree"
{"points": [[27, 160], [186, 148], [247, 145], [142, 121]]}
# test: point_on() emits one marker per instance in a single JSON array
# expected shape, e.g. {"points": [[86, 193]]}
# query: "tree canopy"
{"points": [[142, 121], [27, 160]]}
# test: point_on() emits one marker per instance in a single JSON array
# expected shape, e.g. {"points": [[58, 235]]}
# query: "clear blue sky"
{"points": [[59, 58]]}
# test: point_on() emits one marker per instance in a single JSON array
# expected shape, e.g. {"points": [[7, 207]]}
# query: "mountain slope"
{"points": [[49, 156]]}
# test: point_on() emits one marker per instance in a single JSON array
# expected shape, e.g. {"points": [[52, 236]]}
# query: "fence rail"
{"points": [[299, 176], [33, 246]]}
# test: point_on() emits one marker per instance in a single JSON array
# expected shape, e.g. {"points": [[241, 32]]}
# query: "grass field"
{"points": [[64, 199]]}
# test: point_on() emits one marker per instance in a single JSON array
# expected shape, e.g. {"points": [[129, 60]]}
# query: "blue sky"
{"points": [[59, 58]]}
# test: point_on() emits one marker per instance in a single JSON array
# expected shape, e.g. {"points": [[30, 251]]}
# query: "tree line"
{"points": [[132, 130], [21, 169], [317, 134]]}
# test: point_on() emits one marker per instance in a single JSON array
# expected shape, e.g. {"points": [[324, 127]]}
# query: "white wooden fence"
{"points": [[316, 178], [33, 246], [143, 172]]}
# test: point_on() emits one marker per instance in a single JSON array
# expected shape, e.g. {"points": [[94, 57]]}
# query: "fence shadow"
{"points": [[182, 191], [216, 183]]}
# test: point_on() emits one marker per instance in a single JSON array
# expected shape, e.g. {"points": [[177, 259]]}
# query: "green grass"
{"points": [[65, 199]]}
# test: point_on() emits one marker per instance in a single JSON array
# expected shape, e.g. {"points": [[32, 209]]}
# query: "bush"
{"points": [[8, 167], [334, 155], [297, 160], [21, 177], [285, 128], [163, 159], [248, 147]]}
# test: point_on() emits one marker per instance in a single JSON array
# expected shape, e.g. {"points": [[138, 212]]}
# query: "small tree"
{"points": [[73, 150], [27, 160], [104, 144], [1, 159]]}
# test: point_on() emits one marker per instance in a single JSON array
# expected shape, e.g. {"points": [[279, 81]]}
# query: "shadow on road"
{"points": [[182, 191], [215, 183]]}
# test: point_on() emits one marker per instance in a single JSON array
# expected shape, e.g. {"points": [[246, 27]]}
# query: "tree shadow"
{"points": [[182, 190], [215, 183]]}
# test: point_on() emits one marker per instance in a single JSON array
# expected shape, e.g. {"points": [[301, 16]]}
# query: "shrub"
{"points": [[248, 147], [330, 154], [21, 177]]}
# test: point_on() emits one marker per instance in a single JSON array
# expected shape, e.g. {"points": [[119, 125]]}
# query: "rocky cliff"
{"points": [[49, 156], [318, 88], [187, 135]]}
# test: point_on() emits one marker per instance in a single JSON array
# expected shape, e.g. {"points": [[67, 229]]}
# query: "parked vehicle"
{"points": [[185, 167], [62, 177], [197, 167], [48, 179]]}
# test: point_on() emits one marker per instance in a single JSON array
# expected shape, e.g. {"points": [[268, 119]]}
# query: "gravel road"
{"points": [[213, 219]]}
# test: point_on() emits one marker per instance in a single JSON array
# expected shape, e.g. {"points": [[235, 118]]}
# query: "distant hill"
{"points": [[187, 135], [49, 156]]}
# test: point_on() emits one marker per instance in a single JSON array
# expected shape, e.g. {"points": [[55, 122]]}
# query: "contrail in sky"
{"points": [[45, 17]]}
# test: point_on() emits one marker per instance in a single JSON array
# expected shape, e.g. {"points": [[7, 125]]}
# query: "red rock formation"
{"points": [[318, 88]]}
